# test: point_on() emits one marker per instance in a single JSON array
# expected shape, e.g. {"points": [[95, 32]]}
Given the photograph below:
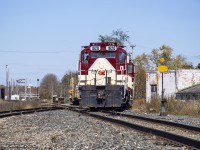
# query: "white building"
{"points": [[173, 82]]}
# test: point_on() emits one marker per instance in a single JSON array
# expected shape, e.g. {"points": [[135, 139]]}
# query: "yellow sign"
{"points": [[162, 68], [162, 60]]}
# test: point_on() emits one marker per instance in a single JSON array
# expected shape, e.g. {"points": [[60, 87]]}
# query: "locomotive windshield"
{"points": [[103, 55]]}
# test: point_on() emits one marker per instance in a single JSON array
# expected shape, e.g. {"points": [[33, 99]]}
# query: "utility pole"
{"points": [[132, 46], [7, 78], [38, 88]]}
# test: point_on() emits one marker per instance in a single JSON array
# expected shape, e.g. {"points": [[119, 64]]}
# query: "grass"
{"points": [[179, 107], [173, 107], [15, 105]]}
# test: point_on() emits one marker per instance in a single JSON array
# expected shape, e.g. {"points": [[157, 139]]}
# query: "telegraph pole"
{"points": [[38, 88], [7, 78], [132, 46], [25, 88]]}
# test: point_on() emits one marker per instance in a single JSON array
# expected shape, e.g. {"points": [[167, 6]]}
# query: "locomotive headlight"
{"points": [[88, 82], [113, 82]]}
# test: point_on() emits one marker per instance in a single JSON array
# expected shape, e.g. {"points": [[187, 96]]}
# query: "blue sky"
{"points": [[45, 36]]}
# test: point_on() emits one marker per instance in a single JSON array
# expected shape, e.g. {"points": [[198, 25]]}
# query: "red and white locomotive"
{"points": [[105, 75]]}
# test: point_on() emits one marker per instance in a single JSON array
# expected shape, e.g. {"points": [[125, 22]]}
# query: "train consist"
{"points": [[105, 76]]}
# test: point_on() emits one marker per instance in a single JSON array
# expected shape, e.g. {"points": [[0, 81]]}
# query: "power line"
{"points": [[37, 52]]}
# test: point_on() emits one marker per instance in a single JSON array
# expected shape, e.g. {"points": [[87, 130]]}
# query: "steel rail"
{"points": [[18, 110], [194, 144], [163, 122], [172, 138], [25, 111]]}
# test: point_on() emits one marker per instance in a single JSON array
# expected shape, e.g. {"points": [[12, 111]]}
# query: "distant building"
{"points": [[174, 81], [14, 97], [191, 93], [2, 92]]}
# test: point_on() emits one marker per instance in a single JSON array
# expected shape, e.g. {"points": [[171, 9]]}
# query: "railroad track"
{"points": [[157, 121], [171, 138], [4, 114]]}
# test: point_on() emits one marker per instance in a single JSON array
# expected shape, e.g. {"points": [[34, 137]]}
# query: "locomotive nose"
{"points": [[101, 64]]}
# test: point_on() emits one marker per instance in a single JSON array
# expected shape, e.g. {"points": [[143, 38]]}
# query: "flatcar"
{"points": [[105, 76]]}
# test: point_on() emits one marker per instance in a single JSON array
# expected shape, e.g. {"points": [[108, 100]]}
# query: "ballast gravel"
{"points": [[64, 129]]}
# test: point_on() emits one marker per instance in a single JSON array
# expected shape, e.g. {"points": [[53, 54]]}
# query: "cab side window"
{"points": [[121, 57], [85, 57], [130, 68]]}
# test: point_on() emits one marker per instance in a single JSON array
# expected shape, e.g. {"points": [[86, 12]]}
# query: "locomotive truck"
{"points": [[105, 76]]}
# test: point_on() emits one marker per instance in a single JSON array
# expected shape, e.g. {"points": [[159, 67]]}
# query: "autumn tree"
{"points": [[173, 62], [149, 62], [164, 51], [49, 86], [142, 64], [65, 81], [180, 62]]}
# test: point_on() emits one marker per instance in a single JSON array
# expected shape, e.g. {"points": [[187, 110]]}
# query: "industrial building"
{"points": [[182, 84]]}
